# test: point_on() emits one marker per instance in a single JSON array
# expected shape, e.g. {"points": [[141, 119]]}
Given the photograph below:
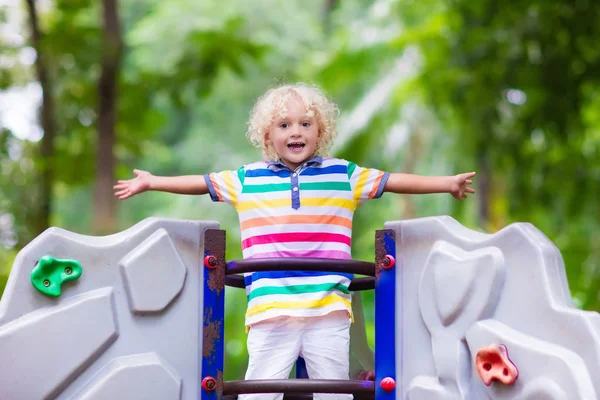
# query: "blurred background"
{"points": [[90, 90]]}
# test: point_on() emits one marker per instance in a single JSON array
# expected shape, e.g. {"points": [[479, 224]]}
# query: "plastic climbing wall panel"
{"points": [[128, 327], [462, 293]]}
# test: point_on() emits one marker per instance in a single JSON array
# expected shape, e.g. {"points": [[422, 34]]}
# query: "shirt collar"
{"points": [[278, 165]]}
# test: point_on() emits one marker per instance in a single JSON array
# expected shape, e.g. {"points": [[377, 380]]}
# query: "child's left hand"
{"points": [[458, 186]]}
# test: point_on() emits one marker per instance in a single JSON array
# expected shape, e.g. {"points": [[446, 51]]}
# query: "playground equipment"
{"points": [[139, 315]]}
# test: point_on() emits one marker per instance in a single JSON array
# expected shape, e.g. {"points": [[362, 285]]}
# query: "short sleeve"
{"points": [[366, 183], [225, 186]]}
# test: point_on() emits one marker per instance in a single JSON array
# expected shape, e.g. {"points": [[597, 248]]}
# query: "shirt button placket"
{"points": [[295, 191]]}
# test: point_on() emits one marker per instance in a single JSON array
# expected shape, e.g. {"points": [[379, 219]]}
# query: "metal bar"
{"points": [[359, 284], [386, 320], [356, 284], [301, 263], [293, 396], [298, 396], [213, 313], [235, 281], [289, 386], [307, 396]]}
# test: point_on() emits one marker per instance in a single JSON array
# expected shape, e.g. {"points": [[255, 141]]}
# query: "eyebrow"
{"points": [[304, 118]]}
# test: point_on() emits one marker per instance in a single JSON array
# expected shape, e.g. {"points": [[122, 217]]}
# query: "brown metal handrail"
{"points": [[300, 389], [300, 263], [362, 389]]}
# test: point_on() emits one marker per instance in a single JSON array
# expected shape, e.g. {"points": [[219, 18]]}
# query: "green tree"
{"points": [[520, 85]]}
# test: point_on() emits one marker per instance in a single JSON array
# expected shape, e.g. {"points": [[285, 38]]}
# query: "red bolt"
{"points": [[209, 383], [210, 262], [388, 384], [388, 262]]}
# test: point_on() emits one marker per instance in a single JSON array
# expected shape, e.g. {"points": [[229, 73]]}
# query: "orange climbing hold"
{"points": [[493, 364]]}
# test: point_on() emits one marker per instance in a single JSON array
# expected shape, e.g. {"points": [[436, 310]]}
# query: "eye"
{"points": [[306, 124], [284, 125]]}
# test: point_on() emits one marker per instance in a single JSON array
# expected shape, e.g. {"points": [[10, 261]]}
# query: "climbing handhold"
{"points": [[493, 364], [50, 273]]}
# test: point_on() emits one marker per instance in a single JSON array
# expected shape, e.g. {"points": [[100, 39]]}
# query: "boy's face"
{"points": [[295, 136]]}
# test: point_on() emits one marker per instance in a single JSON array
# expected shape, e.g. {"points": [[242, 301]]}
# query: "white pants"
{"points": [[323, 342]]}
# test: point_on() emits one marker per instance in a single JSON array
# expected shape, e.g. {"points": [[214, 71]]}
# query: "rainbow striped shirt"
{"points": [[302, 213]]}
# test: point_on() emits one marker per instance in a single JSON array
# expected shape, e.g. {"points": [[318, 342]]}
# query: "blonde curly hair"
{"points": [[273, 103]]}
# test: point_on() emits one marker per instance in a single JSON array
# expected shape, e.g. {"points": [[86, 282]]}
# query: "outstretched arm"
{"points": [[144, 181], [456, 185]]}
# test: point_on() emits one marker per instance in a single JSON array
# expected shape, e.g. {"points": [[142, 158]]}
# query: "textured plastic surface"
{"points": [[462, 291], [128, 328]]}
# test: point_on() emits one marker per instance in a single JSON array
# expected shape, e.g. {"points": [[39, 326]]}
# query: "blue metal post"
{"points": [[212, 313], [386, 324]]}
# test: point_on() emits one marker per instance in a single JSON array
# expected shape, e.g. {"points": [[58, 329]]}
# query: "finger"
{"points": [[124, 181], [464, 196], [468, 181], [468, 175], [120, 186], [121, 193], [125, 196], [469, 190], [137, 172]]}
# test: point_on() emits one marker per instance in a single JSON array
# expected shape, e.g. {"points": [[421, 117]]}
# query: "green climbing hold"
{"points": [[49, 274]]}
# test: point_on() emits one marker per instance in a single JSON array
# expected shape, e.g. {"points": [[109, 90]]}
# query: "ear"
{"points": [[267, 138]]}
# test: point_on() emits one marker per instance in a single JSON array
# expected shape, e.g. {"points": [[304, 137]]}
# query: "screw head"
{"points": [[388, 384], [209, 383], [68, 271], [46, 282], [210, 262], [388, 262]]}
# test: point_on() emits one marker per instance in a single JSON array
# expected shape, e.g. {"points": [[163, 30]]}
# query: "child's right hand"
{"points": [[131, 187]]}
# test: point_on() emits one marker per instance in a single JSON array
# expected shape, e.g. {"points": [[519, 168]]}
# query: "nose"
{"points": [[493, 364]]}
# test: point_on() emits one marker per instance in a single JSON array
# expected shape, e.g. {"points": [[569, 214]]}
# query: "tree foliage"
{"points": [[509, 89]]}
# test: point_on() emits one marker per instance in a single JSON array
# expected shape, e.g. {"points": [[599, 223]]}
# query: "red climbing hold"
{"points": [[493, 364]]}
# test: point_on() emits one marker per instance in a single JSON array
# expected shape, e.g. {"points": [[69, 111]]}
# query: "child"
{"points": [[296, 203]]}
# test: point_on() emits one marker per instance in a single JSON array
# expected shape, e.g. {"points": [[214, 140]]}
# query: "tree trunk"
{"points": [[327, 9], [415, 148], [104, 202], [45, 165], [484, 177]]}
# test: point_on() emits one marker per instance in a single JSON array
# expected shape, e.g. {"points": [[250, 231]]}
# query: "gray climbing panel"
{"points": [[128, 328], [462, 291]]}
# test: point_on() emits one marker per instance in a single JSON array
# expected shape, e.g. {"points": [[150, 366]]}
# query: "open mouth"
{"points": [[295, 145]]}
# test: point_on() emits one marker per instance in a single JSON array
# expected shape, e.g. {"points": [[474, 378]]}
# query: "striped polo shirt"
{"points": [[305, 212]]}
